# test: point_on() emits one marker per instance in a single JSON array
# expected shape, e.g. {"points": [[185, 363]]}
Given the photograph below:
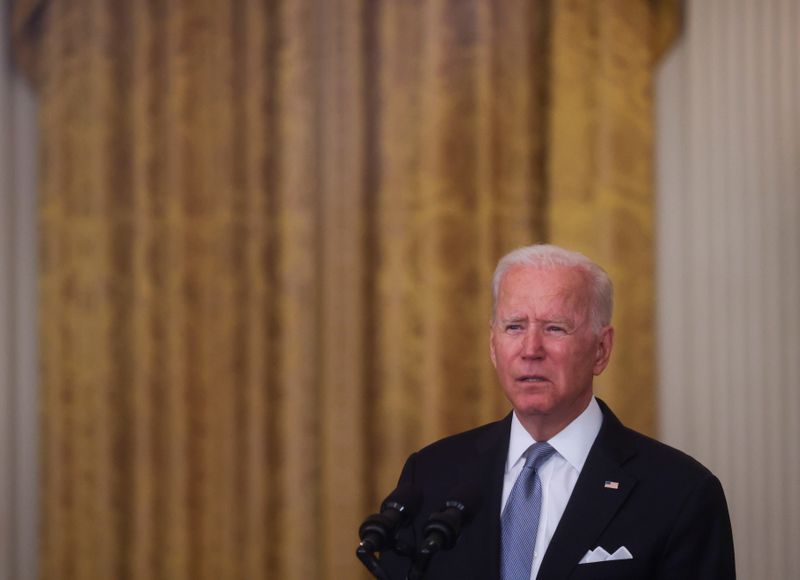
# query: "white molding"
{"points": [[18, 305], [728, 255]]}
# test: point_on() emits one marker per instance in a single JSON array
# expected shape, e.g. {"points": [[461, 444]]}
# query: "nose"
{"points": [[532, 344]]}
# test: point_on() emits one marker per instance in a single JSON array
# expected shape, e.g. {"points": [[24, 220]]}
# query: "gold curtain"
{"points": [[267, 233], [600, 170]]}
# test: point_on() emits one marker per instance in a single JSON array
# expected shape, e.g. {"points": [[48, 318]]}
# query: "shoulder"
{"points": [[472, 437], [665, 468], [645, 452], [461, 453], [477, 438], [658, 456]]}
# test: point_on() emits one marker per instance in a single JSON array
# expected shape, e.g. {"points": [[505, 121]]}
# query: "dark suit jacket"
{"points": [[669, 510]]}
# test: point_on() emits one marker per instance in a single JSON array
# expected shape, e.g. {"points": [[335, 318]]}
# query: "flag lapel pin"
{"points": [[611, 485]]}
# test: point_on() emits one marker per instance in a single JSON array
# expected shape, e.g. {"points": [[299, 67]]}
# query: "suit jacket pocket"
{"points": [[613, 570]]}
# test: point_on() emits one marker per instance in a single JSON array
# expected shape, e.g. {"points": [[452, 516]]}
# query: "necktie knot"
{"points": [[537, 454]]}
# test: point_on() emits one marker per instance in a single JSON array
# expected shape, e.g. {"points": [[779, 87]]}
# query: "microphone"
{"points": [[444, 527], [378, 530]]}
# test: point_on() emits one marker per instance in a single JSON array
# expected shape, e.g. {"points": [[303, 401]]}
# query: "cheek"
{"points": [[561, 351], [571, 358], [503, 355]]}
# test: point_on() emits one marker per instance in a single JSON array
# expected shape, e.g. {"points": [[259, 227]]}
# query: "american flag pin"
{"points": [[611, 485]]}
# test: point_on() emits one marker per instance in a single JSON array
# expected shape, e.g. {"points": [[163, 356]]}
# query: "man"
{"points": [[567, 490]]}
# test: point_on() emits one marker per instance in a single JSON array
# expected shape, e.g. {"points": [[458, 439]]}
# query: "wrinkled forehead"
{"points": [[544, 292]]}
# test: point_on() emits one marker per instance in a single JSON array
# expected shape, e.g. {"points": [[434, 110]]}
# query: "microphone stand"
{"points": [[418, 568], [368, 559], [423, 558], [367, 556]]}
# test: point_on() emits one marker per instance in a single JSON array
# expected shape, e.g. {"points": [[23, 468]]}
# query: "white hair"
{"points": [[547, 256]]}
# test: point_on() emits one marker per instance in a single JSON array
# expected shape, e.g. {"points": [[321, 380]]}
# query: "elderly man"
{"points": [[567, 490]]}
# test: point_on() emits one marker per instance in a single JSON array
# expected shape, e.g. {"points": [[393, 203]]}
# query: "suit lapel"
{"points": [[484, 547], [592, 505]]}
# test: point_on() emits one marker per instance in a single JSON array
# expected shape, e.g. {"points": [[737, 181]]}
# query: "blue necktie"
{"points": [[520, 519]]}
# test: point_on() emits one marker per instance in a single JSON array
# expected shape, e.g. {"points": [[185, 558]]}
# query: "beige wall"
{"points": [[729, 265]]}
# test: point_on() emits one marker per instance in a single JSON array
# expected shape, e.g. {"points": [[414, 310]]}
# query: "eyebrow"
{"points": [[515, 318], [523, 318], [556, 320]]}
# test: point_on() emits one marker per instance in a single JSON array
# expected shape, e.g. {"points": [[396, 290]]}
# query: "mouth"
{"points": [[532, 379]]}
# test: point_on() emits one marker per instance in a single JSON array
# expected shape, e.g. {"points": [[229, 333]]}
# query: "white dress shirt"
{"points": [[558, 474]]}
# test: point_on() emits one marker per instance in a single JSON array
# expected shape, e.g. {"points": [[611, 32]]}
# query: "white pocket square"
{"points": [[600, 555]]}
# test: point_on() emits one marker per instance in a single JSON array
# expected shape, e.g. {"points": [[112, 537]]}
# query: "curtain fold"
{"points": [[600, 170], [267, 234]]}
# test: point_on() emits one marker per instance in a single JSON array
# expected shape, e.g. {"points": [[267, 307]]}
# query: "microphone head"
{"points": [[379, 530], [467, 499], [406, 499], [444, 527]]}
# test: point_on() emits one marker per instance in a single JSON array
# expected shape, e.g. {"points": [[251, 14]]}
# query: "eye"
{"points": [[556, 329], [513, 327]]}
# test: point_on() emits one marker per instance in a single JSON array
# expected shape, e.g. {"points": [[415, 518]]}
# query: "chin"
{"points": [[532, 404]]}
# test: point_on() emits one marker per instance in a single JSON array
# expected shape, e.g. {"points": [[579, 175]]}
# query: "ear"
{"points": [[492, 354], [605, 343]]}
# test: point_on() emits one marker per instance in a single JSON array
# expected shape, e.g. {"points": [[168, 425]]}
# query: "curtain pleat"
{"points": [[600, 172], [267, 234]]}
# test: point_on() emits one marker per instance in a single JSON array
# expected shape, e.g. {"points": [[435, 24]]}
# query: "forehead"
{"points": [[564, 290]]}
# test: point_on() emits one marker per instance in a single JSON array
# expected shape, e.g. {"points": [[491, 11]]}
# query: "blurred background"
{"points": [[245, 252]]}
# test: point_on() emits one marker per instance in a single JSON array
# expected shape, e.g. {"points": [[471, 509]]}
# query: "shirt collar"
{"points": [[573, 442]]}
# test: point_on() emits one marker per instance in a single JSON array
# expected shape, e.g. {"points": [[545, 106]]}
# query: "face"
{"points": [[543, 345]]}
